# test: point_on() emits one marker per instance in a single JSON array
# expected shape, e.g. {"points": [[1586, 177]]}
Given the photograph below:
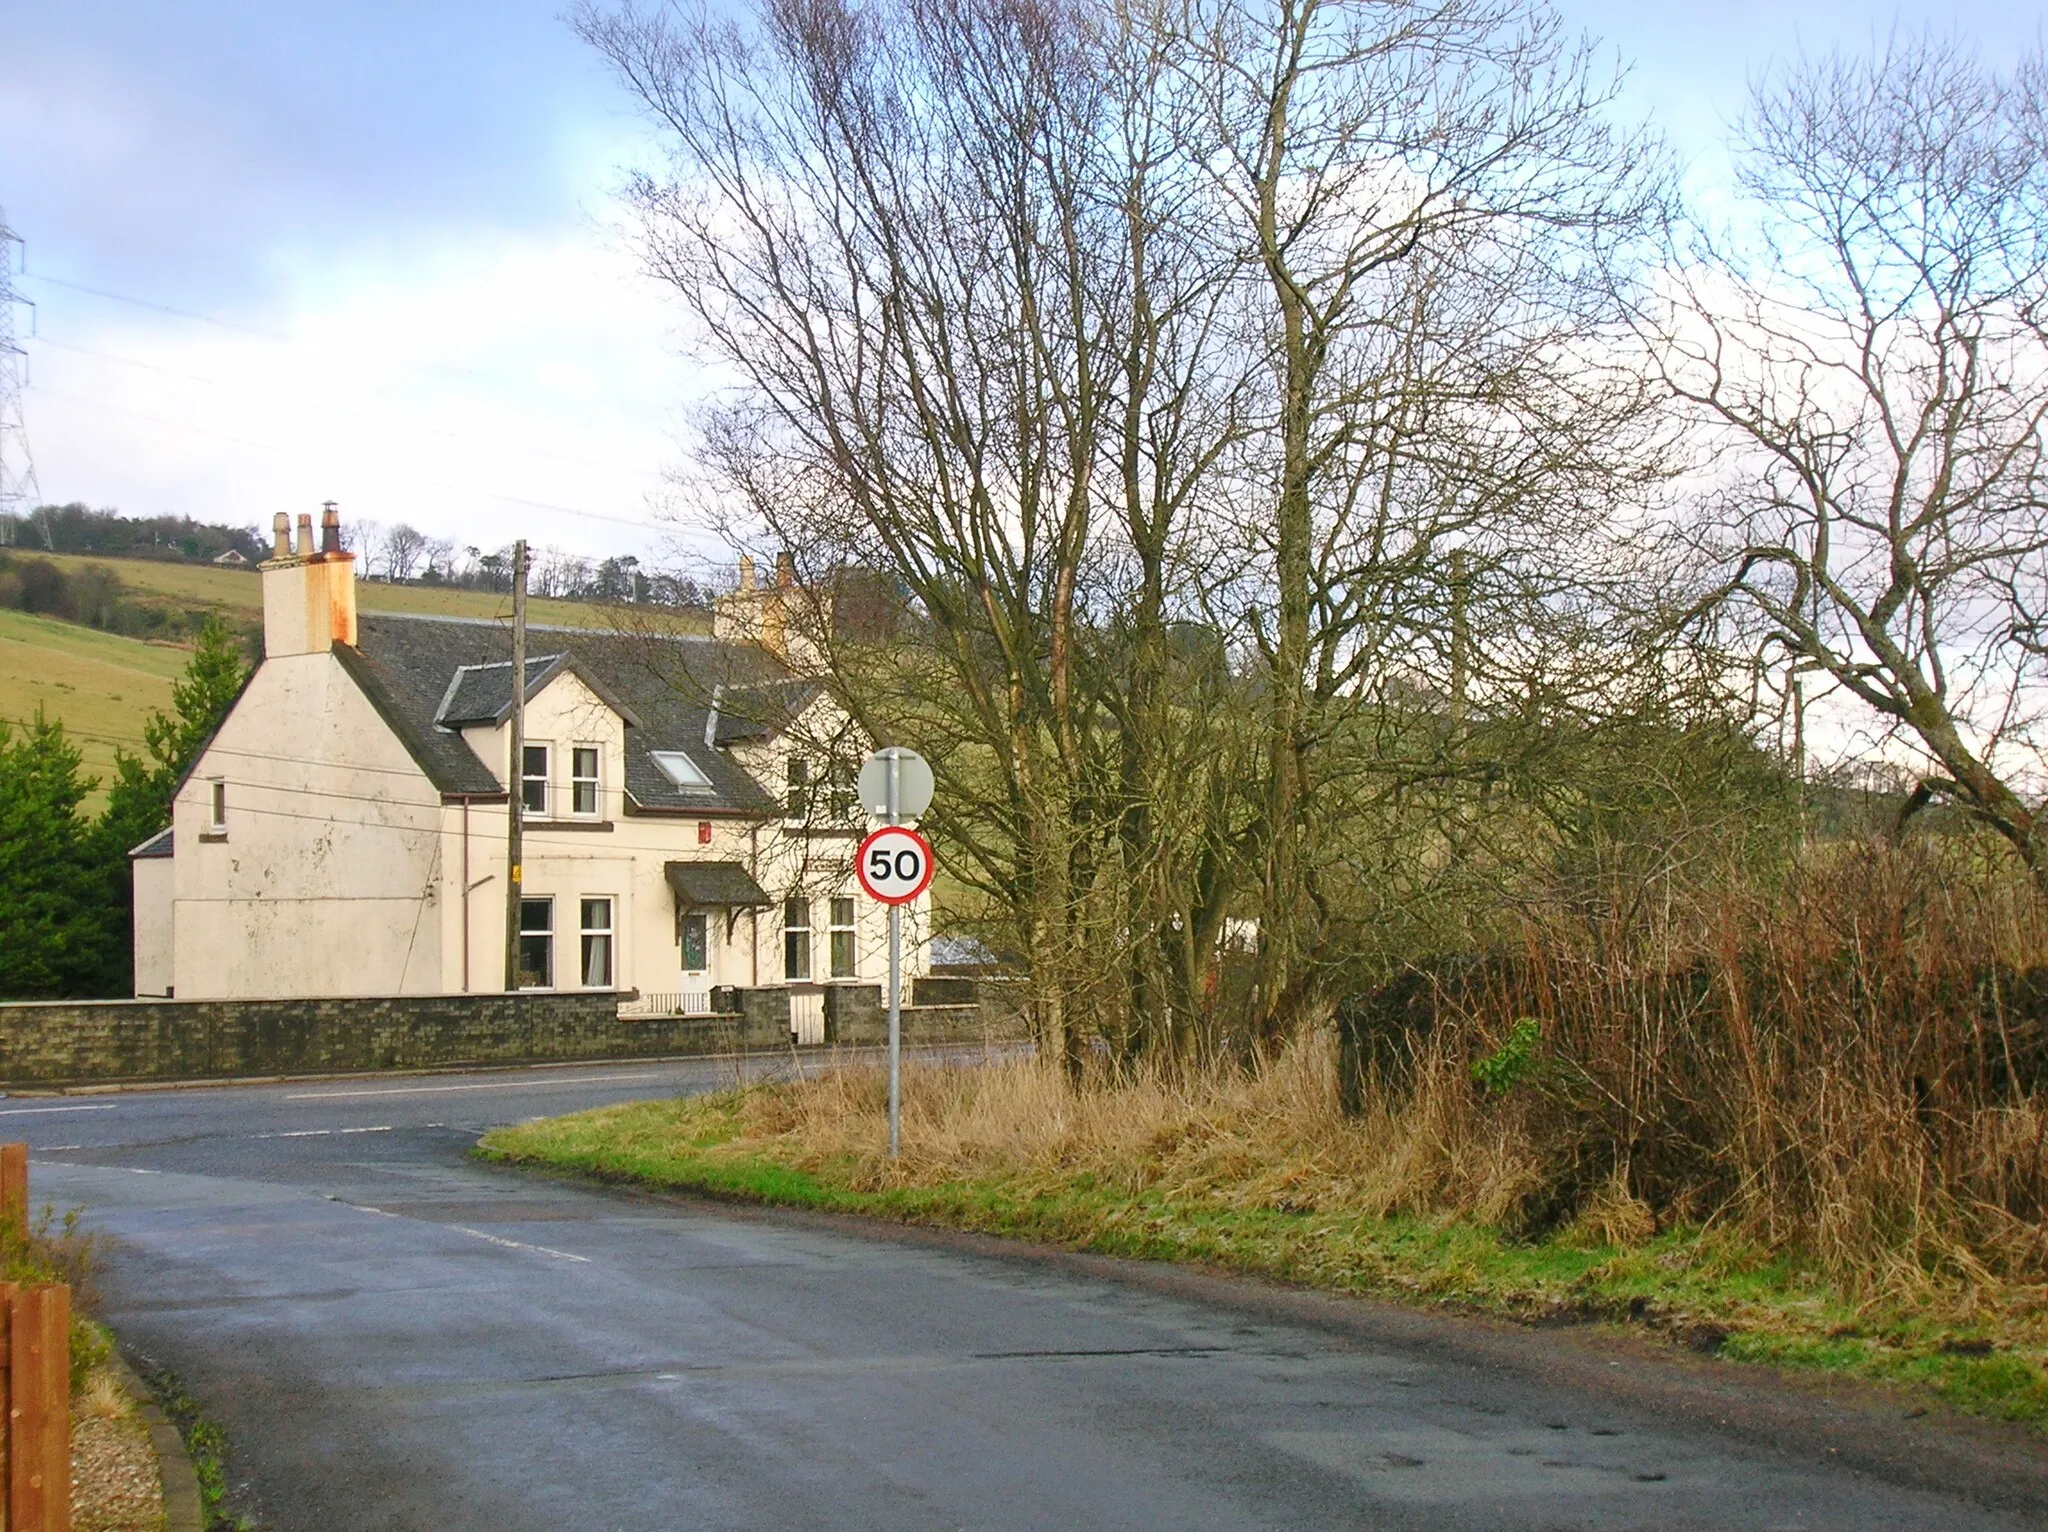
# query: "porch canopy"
{"points": [[715, 886]]}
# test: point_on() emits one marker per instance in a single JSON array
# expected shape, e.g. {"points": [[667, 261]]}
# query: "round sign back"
{"points": [[913, 782], [894, 865]]}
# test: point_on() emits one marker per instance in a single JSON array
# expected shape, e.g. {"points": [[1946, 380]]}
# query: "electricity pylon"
{"points": [[19, 492]]}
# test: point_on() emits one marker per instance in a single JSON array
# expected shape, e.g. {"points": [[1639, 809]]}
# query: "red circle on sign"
{"points": [[894, 865]]}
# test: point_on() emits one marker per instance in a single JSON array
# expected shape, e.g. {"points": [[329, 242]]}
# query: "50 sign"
{"points": [[894, 865]]}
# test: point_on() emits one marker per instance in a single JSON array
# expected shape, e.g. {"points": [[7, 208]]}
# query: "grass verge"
{"points": [[1701, 1288], [205, 1443]]}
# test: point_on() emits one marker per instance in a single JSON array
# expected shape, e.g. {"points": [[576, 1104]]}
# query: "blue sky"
{"points": [[394, 219]]}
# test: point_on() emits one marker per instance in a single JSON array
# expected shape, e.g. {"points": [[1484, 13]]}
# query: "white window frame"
{"points": [[595, 781], [217, 807], [799, 789], [795, 901], [586, 933], [850, 929], [842, 793], [549, 932], [545, 779], [681, 770]]}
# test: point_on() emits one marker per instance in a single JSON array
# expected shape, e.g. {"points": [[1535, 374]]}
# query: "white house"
{"points": [[687, 815]]}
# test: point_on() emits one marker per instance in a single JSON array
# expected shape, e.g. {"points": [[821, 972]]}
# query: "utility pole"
{"points": [[515, 771], [19, 492]]}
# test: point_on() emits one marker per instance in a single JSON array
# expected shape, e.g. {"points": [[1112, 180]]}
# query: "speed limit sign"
{"points": [[894, 865]]}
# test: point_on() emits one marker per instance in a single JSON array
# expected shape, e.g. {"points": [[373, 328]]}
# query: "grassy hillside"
{"points": [[101, 685], [238, 592]]}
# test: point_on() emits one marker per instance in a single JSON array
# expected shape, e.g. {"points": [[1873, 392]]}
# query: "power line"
{"points": [[264, 446], [574, 459], [277, 337], [144, 303]]}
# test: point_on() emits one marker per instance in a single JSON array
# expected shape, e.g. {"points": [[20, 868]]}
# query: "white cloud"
{"points": [[466, 387]]}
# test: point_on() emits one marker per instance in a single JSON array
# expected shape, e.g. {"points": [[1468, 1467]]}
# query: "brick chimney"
{"points": [[309, 593]]}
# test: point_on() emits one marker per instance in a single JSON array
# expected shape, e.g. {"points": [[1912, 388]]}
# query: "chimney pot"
{"points": [[280, 536], [305, 548], [785, 569], [746, 571], [330, 528]]}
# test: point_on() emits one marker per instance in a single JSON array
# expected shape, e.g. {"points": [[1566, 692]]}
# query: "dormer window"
{"points": [[680, 769], [797, 775], [583, 781], [533, 780]]}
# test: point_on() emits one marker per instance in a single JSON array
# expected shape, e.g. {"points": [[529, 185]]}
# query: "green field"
{"points": [[240, 592], [101, 685]]}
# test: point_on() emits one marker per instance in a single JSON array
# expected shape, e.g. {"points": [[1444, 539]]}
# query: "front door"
{"points": [[696, 940]]}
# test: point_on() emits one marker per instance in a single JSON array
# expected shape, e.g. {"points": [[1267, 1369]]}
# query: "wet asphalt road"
{"points": [[396, 1337]]}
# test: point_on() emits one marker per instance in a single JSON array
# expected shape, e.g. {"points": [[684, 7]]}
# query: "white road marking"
{"points": [[513, 1244], [433, 1090], [489, 1239], [322, 1132], [32, 1111], [362, 1207]]}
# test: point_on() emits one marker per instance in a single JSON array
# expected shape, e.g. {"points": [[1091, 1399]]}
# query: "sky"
{"points": [[369, 252]]}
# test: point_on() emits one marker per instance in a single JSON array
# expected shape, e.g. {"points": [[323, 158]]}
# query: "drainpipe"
{"points": [[754, 915], [465, 895]]}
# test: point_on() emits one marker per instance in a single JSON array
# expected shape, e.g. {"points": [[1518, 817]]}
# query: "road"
{"points": [[397, 1337]]}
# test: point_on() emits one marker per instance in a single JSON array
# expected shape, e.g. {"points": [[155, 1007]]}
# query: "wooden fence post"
{"points": [[14, 1188], [39, 1408]]}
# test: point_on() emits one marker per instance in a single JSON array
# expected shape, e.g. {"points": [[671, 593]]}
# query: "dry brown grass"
{"points": [[1848, 1072]]}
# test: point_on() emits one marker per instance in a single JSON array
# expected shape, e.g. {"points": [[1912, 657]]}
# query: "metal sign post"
{"points": [[894, 865], [891, 816]]}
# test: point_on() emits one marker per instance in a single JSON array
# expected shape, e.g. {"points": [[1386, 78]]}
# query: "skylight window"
{"points": [[680, 769]]}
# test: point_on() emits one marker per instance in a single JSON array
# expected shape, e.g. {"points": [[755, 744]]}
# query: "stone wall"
{"points": [[76, 1042], [73, 1042], [954, 1011]]}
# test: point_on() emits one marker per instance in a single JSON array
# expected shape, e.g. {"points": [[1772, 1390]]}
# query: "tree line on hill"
{"points": [[66, 892], [399, 553], [77, 528], [402, 554], [95, 596]]}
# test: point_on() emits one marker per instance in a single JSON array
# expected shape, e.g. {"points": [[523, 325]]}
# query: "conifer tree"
{"points": [[53, 931], [139, 804]]}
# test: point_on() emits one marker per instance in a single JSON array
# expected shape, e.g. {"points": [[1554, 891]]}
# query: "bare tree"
{"points": [[1873, 350], [1185, 368], [1431, 197], [950, 248], [365, 539], [404, 547]]}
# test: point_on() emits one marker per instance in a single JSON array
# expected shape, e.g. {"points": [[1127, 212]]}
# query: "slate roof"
{"points": [[757, 712], [424, 675], [157, 845], [713, 885]]}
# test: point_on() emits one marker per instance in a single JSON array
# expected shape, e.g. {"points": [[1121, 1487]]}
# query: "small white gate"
{"points": [[807, 1017]]}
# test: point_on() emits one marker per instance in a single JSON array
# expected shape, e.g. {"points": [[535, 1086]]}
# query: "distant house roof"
{"points": [[713, 885], [157, 845], [232, 556], [429, 677], [741, 714]]}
